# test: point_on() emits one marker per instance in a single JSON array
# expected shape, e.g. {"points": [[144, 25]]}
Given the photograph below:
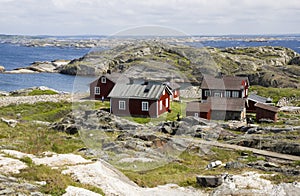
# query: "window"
{"points": [[217, 94], [207, 93], [167, 103], [103, 79], [121, 105], [196, 115], [175, 92], [145, 106], [235, 93], [227, 93], [160, 105], [97, 90]]}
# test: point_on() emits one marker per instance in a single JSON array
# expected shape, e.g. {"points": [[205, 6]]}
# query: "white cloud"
{"points": [[107, 17]]}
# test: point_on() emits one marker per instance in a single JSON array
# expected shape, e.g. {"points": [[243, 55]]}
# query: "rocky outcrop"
{"points": [[2, 69], [209, 181], [8, 100], [38, 67], [266, 66]]}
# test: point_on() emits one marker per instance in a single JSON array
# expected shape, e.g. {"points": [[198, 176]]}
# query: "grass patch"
{"points": [[56, 183], [34, 139], [281, 178], [47, 111], [183, 171], [41, 92], [275, 93]]}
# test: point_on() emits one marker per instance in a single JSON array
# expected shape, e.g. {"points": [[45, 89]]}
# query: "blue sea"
{"points": [[13, 56]]}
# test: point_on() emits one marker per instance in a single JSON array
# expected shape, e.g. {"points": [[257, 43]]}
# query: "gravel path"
{"points": [[5, 101]]}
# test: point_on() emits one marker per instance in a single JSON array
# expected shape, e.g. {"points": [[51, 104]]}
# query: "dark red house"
{"points": [[146, 100], [266, 112], [225, 86], [218, 108], [102, 86]]}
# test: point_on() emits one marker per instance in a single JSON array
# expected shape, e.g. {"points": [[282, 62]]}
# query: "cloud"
{"points": [[107, 17]]}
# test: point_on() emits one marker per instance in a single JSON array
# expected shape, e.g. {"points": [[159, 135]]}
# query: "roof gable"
{"points": [[114, 77], [224, 83]]}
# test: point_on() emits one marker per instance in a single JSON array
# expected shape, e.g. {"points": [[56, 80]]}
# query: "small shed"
{"points": [[267, 112]]}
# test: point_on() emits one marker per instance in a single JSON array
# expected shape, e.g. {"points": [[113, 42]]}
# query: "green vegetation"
{"points": [[276, 93], [280, 178], [56, 183], [41, 92], [35, 139], [183, 171], [48, 111]]}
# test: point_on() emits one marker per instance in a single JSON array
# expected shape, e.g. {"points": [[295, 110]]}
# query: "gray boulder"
{"points": [[209, 181]]}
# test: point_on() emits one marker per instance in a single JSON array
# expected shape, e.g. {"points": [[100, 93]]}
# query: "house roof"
{"points": [[172, 85], [226, 82], [226, 104], [258, 99], [138, 91], [198, 107], [114, 77], [267, 107]]}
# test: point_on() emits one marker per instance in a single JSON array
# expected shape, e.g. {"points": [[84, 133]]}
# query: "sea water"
{"points": [[13, 56]]}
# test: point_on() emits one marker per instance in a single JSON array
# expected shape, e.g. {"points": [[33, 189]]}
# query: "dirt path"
{"points": [[254, 150]]}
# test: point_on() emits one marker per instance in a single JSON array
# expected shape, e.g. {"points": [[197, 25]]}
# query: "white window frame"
{"points": [[164, 92], [160, 105], [217, 94], [175, 92], [97, 90], [167, 102], [207, 93], [122, 105], [235, 94], [145, 106], [103, 80], [227, 93]]}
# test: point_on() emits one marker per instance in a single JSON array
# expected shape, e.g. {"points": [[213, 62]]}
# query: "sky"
{"points": [[187, 17]]}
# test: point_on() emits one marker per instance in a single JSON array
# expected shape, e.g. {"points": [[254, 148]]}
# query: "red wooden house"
{"points": [[102, 86], [226, 86], [146, 100], [217, 108]]}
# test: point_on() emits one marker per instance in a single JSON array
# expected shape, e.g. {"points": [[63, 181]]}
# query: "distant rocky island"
{"points": [[264, 65]]}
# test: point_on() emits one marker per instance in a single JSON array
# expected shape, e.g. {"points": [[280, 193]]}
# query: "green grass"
{"points": [[41, 92], [276, 93], [34, 139], [47, 111], [56, 183], [183, 171]]}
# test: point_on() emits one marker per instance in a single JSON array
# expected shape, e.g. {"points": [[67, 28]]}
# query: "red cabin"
{"points": [[145, 100]]}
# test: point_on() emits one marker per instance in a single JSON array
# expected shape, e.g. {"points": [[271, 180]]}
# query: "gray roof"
{"points": [[259, 99], [138, 91], [226, 82]]}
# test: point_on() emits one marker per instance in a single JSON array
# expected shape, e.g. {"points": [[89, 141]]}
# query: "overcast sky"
{"points": [[107, 17]]}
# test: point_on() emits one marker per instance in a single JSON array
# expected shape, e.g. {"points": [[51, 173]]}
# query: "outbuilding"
{"points": [[266, 112]]}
